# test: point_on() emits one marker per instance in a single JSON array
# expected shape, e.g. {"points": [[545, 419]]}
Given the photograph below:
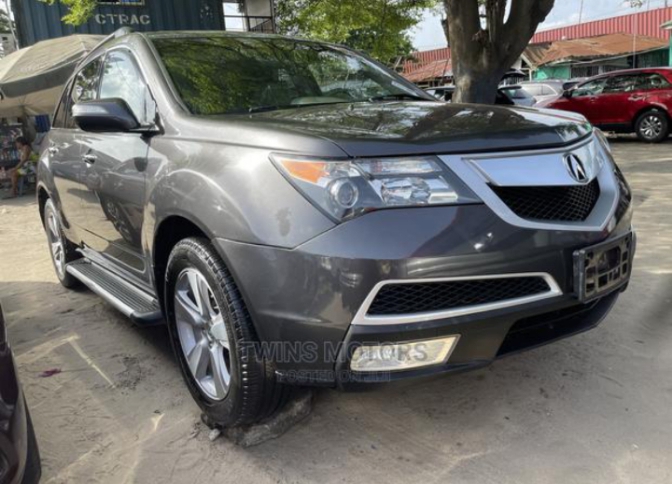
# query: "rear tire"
{"points": [[61, 249], [652, 126], [214, 339]]}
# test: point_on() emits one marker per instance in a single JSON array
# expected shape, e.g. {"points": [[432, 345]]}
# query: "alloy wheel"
{"points": [[203, 334], [56, 243], [651, 127]]}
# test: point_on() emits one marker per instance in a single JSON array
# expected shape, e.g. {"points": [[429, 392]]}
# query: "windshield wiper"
{"points": [[398, 97], [261, 109]]}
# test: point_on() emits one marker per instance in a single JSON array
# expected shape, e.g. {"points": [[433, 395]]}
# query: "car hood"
{"points": [[394, 128]]}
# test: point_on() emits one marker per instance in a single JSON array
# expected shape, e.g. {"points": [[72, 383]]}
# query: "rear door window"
{"points": [[649, 82], [61, 109]]}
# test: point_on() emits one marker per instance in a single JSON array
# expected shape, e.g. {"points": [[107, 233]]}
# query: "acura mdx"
{"points": [[298, 214]]}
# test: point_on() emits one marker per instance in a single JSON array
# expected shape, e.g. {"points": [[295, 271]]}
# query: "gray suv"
{"points": [[298, 214]]}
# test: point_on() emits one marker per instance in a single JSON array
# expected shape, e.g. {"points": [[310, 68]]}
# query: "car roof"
{"points": [[644, 70], [558, 82], [186, 34], [635, 71]]}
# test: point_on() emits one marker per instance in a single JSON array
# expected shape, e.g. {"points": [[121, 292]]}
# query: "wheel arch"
{"points": [[651, 107], [168, 233], [42, 196]]}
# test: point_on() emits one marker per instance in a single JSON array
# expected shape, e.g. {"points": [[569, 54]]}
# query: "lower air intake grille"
{"points": [[563, 204], [396, 299]]}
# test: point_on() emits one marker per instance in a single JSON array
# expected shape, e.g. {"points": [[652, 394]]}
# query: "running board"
{"points": [[134, 303]]}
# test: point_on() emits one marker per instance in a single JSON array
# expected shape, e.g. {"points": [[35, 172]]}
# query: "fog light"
{"points": [[403, 356]]}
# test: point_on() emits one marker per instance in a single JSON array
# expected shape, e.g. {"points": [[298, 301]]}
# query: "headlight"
{"points": [[603, 139], [347, 188]]}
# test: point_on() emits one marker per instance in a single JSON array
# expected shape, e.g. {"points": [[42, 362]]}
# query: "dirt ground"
{"points": [[596, 408]]}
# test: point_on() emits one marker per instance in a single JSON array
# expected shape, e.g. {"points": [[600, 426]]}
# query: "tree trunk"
{"points": [[476, 88], [481, 55]]}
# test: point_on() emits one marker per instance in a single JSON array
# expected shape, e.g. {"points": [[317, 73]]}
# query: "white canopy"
{"points": [[32, 79]]}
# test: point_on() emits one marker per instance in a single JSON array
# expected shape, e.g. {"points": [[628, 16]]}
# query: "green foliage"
{"points": [[379, 27], [79, 11]]}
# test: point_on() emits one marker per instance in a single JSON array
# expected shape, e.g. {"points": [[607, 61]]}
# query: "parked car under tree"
{"points": [[299, 214], [634, 101]]}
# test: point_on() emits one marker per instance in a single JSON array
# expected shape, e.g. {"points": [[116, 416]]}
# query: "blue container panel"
{"points": [[38, 21]]}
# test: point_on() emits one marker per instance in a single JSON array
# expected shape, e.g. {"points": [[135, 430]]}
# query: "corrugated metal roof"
{"points": [[432, 70], [535, 52], [642, 23], [612, 45]]}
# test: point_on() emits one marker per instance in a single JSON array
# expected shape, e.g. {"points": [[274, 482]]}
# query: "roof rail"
{"points": [[114, 35], [122, 31]]}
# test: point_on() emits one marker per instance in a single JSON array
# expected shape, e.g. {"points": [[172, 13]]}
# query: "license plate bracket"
{"points": [[603, 268]]}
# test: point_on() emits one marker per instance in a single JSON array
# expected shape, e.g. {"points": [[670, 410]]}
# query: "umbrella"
{"points": [[31, 79]]}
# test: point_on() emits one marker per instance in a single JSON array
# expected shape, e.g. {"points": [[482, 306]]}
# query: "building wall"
{"points": [[38, 21], [552, 72], [659, 58]]}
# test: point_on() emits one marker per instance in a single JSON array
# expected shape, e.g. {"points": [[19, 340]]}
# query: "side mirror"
{"points": [[567, 93], [105, 116]]}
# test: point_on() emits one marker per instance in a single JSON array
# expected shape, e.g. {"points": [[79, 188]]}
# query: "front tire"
{"points": [[652, 126], [214, 339], [61, 249]]}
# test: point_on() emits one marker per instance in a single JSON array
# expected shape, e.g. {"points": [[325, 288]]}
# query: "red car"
{"points": [[634, 101]]}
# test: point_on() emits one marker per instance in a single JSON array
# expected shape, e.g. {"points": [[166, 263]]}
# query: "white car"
{"points": [[544, 90]]}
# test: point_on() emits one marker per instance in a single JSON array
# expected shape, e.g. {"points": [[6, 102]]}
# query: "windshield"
{"points": [[228, 74], [517, 93]]}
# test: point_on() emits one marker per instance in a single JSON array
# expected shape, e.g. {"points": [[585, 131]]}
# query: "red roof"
{"points": [[433, 70], [647, 24]]}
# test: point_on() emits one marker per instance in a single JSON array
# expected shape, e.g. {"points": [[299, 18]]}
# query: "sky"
{"points": [[429, 34]]}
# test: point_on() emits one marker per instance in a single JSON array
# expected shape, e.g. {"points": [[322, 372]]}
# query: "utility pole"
{"points": [[581, 12]]}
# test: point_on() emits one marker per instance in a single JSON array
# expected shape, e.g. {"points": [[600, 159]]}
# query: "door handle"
{"points": [[90, 159]]}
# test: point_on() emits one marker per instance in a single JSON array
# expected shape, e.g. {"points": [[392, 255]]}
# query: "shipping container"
{"points": [[38, 21]]}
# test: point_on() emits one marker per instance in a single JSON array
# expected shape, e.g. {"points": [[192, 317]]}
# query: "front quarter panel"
{"points": [[231, 192]]}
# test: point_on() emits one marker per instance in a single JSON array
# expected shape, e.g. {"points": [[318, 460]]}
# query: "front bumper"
{"points": [[310, 296]]}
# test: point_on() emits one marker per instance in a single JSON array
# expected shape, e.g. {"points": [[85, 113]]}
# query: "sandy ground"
{"points": [[593, 409]]}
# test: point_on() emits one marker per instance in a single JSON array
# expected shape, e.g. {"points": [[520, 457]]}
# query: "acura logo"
{"points": [[576, 168]]}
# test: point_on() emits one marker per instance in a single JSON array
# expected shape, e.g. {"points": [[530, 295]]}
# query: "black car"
{"points": [[19, 455], [299, 214]]}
